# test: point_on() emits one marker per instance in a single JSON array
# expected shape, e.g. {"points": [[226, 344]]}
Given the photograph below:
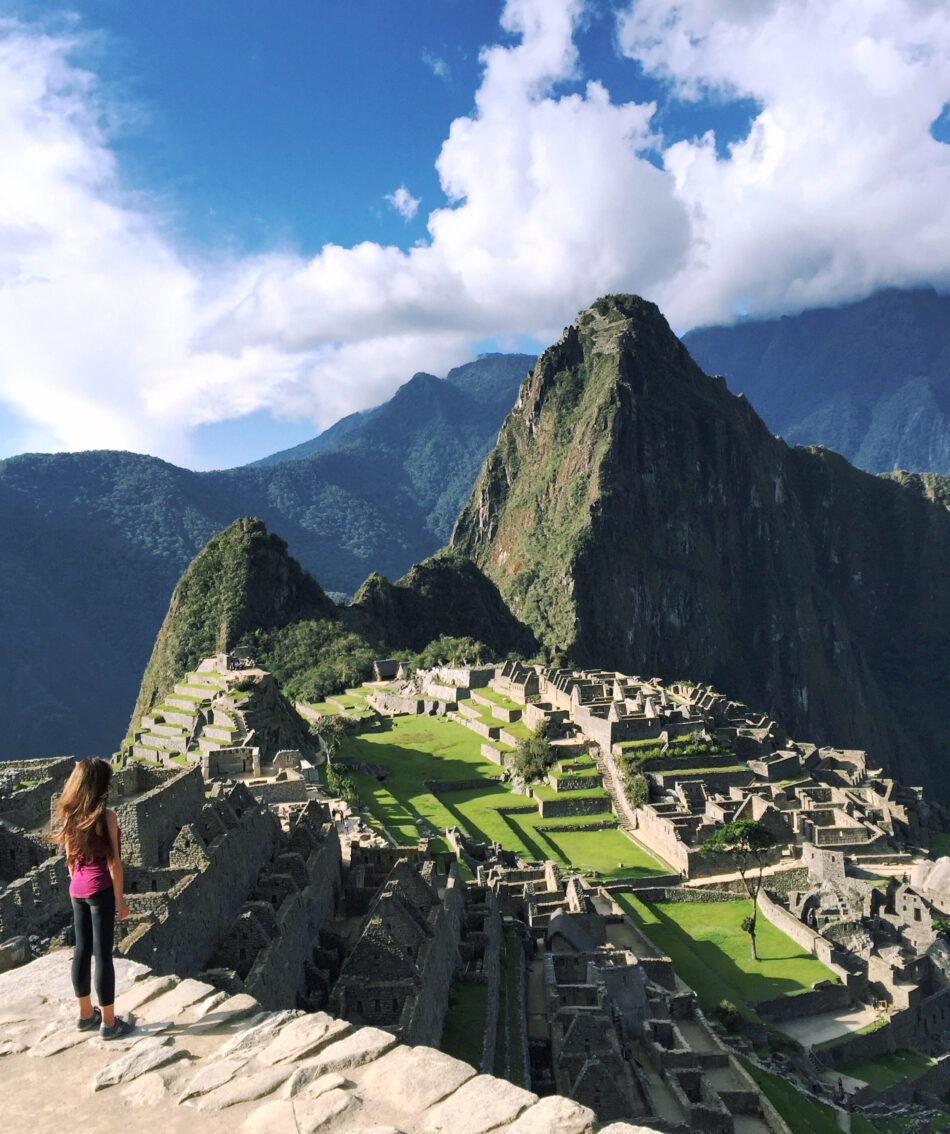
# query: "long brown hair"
{"points": [[80, 810]]}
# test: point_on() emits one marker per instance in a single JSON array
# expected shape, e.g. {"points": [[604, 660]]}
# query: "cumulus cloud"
{"points": [[839, 186], [113, 334], [404, 203]]}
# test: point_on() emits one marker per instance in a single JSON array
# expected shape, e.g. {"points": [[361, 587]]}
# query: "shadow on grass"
{"points": [[464, 822], [709, 969], [534, 851]]}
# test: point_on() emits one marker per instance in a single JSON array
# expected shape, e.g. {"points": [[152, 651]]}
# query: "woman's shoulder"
{"points": [[112, 820]]}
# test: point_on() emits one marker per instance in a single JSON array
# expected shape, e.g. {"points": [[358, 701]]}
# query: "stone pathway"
{"points": [[202, 1059]]}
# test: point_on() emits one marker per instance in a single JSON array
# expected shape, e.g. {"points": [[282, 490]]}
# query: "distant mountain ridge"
{"points": [[637, 515], [870, 380], [95, 542]]}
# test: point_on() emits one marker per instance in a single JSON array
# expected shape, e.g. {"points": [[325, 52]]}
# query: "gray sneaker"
{"points": [[88, 1023], [117, 1030]]}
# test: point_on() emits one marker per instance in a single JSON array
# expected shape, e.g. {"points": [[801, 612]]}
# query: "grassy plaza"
{"points": [[710, 951], [417, 750]]}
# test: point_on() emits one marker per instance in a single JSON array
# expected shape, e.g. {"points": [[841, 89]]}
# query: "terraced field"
{"points": [[421, 751]]}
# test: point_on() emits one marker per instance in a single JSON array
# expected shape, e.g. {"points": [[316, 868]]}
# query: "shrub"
{"points": [[728, 1015], [638, 791]]}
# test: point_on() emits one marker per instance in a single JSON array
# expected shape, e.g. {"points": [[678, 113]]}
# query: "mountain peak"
{"points": [[638, 516], [242, 579]]}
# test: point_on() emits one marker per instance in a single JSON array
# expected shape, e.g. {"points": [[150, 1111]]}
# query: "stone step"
{"points": [[165, 743], [209, 744], [197, 694], [177, 701], [173, 715], [161, 729], [219, 732]]}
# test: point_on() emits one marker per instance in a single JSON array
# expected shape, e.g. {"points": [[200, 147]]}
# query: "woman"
{"points": [[88, 833]]}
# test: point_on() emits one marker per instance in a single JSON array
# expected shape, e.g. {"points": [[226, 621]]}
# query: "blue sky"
{"points": [[224, 225]]}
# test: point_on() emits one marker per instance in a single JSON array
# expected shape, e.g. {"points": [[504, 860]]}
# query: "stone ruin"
{"points": [[245, 886], [228, 716]]}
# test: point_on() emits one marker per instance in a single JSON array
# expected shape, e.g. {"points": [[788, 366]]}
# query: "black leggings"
{"points": [[94, 918]]}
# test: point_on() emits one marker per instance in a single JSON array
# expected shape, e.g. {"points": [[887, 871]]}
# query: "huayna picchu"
{"points": [[636, 514]]}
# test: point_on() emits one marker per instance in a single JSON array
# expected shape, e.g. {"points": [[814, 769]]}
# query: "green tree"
{"points": [[747, 842], [534, 755], [328, 732], [638, 791]]}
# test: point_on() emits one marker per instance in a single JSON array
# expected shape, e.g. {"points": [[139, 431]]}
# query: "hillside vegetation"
{"points": [[95, 542], [245, 588], [639, 516]]}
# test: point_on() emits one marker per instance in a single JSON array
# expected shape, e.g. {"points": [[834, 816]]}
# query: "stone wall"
{"points": [[585, 805], [136, 777], [715, 783], [470, 677], [279, 973], [432, 1000], [217, 763], [811, 1003], [150, 823], [490, 732], [38, 900], [30, 807], [434, 691], [205, 904], [396, 703], [576, 782], [281, 791], [805, 936], [19, 853]]}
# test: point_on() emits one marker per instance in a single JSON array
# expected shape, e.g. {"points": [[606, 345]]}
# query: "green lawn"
{"points": [[497, 698], [464, 1026], [416, 749], [324, 707], [484, 715], [546, 792], [348, 700], [518, 729], [710, 951], [880, 1071]]}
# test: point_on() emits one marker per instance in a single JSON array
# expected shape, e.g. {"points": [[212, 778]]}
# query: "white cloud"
{"points": [[839, 187], [404, 203], [113, 335], [436, 65]]}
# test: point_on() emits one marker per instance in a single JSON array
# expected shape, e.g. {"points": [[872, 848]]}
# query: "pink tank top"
{"points": [[92, 875]]}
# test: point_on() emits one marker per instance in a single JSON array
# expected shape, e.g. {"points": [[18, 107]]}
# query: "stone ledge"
{"points": [[270, 1073]]}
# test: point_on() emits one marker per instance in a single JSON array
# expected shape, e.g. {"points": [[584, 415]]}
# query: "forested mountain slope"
{"points": [[870, 380], [637, 515], [95, 542]]}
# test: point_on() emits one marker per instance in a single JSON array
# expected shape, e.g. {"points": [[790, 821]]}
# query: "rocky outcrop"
{"points": [[639, 516], [199, 1057]]}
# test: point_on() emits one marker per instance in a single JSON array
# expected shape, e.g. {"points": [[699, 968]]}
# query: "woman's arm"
{"points": [[115, 864]]}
